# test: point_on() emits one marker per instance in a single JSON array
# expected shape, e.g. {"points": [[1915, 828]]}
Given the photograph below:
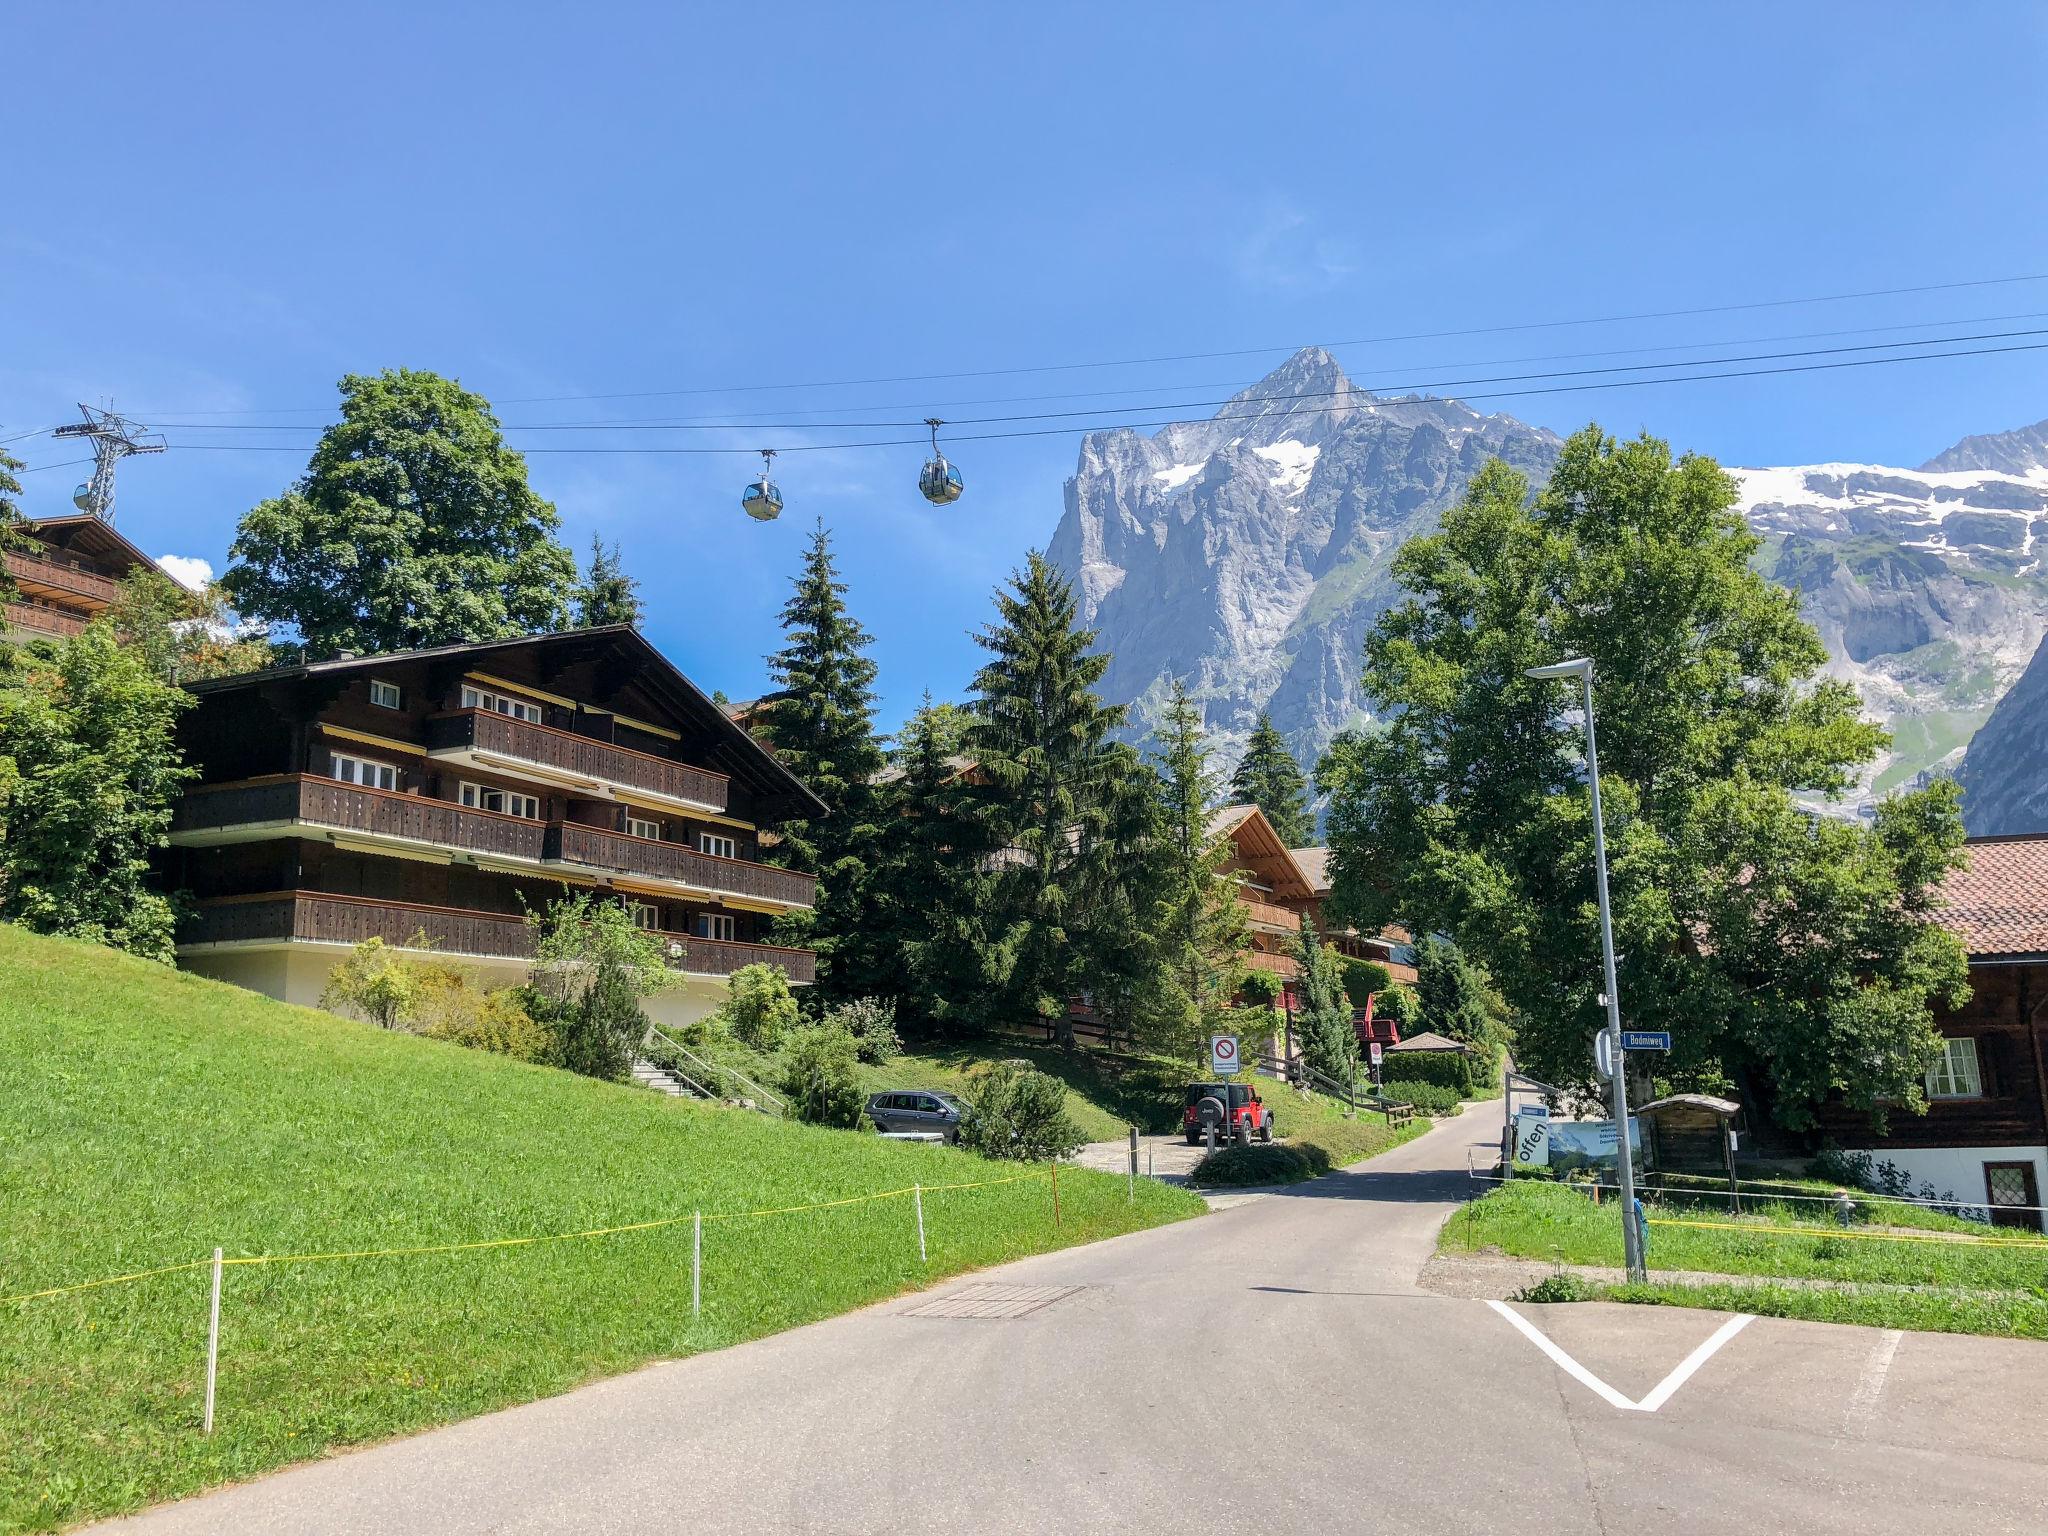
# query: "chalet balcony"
{"points": [[594, 847], [1282, 966], [257, 808], [499, 743], [37, 619], [1267, 918], [282, 917], [36, 574]]}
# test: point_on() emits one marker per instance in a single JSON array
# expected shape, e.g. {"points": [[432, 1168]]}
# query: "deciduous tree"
{"points": [[1788, 947], [413, 525]]}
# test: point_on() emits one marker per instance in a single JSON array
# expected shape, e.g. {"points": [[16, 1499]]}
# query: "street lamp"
{"points": [[1631, 1239]]}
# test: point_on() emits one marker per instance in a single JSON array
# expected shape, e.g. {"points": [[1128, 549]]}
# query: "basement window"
{"points": [[386, 695], [1954, 1074]]}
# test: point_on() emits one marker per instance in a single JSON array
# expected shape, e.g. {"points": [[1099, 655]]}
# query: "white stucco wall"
{"points": [[297, 973], [1960, 1170]]}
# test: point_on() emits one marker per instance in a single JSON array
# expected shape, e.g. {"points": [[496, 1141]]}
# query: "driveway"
{"points": [[1269, 1368]]}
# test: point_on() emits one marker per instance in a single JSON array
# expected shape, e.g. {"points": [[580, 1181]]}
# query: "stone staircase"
{"points": [[648, 1075]]}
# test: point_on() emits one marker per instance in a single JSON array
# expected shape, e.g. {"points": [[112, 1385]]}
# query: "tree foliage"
{"points": [[1018, 1114], [413, 525], [821, 723], [759, 1009], [1790, 949], [377, 983], [1268, 776], [591, 967], [183, 635], [89, 774], [820, 1077], [13, 526], [1329, 1038], [1195, 923], [607, 595]]}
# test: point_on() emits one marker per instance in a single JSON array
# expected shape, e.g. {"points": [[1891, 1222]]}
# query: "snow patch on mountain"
{"points": [[1296, 461]]}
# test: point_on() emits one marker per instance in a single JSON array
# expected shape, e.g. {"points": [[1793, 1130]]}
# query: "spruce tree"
{"points": [[822, 725], [1270, 778], [1198, 924], [1329, 1039], [607, 594], [1040, 735], [13, 526]]}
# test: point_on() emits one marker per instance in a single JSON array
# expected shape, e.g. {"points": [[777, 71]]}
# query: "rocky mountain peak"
{"points": [[2022, 451]]}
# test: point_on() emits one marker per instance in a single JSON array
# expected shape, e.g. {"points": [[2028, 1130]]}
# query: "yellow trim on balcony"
{"points": [[643, 725], [525, 688], [386, 742]]}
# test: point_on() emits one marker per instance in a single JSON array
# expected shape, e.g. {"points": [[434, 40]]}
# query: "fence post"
{"points": [[212, 1343], [1055, 1193], [697, 1265], [917, 1199], [1133, 1200]]}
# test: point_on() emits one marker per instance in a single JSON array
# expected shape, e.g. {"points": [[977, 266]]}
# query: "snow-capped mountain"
{"points": [[1249, 555]]}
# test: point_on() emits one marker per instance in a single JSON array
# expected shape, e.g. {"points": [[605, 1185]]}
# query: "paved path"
{"points": [[1273, 1368]]}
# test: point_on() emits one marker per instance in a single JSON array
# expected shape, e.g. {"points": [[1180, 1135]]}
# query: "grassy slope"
{"points": [[149, 1116], [1535, 1220]]}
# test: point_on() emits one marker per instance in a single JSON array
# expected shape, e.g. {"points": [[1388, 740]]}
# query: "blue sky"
{"points": [[222, 210]]}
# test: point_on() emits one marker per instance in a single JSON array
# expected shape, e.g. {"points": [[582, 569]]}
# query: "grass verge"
{"points": [[152, 1115], [2015, 1315]]}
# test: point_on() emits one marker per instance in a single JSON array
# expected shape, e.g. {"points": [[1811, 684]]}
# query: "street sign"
{"points": [[1223, 1054], [1646, 1039], [1375, 1053], [1532, 1136]]}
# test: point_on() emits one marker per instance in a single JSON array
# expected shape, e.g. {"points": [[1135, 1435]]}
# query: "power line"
{"points": [[1378, 389], [1178, 357], [1110, 426]]}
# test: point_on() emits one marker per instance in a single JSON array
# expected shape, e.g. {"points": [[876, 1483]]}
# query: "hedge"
{"points": [[1446, 1069], [1430, 1098]]}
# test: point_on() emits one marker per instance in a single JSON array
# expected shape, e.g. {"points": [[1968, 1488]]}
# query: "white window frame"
{"points": [[386, 695], [639, 827], [506, 802], [364, 772], [1957, 1074], [718, 845], [474, 697], [646, 916], [715, 925]]}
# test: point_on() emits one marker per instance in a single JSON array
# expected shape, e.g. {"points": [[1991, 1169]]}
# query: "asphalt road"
{"points": [[1271, 1368]]}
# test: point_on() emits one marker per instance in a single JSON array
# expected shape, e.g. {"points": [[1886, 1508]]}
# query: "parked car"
{"points": [[922, 1109], [1236, 1108]]}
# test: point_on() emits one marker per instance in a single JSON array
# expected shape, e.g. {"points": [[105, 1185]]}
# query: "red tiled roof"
{"points": [[1998, 903]]}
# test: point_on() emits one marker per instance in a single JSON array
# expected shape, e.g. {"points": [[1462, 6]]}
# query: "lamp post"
{"points": [[1632, 1248]]}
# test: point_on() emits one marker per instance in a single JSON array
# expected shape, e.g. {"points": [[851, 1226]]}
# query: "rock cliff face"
{"points": [[2005, 772], [1249, 555]]}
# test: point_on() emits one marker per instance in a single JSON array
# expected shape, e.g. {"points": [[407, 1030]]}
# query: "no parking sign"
{"points": [[1223, 1054]]}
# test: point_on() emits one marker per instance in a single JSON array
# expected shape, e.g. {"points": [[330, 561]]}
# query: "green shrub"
{"points": [[1259, 989], [821, 1079], [1429, 1098], [1244, 1167], [1447, 1069], [1019, 1114], [872, 1023], [591, 967], [448, 1005], [758, 1007], [1400, 1005], [1562, 1286], [1363, 978]]}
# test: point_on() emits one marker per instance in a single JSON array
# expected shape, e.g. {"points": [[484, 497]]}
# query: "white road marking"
{"points": [[1659, 1395], [1871, 1384]]}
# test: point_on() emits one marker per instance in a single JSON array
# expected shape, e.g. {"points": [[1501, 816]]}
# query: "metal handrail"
{"points": [[713, 1068]]}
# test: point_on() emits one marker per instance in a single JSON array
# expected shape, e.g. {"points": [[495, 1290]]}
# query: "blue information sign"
{"points": [[1646, 1039]]}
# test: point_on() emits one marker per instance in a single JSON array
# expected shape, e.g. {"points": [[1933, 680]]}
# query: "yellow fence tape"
{"points": [[1875, 1237], [517, 1242]]}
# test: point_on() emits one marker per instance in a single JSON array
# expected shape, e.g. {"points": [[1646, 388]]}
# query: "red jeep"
{"points": [[1233, 1108]]}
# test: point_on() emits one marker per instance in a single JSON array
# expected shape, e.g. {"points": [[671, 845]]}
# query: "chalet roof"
{"points": [[1998, 903], [736, 752], [1430, 1040], [95, 536], [1260, 847], [1315, 868]]}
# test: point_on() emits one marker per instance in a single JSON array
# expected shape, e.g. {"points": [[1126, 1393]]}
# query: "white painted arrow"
{"points": [[1659, 1395]]}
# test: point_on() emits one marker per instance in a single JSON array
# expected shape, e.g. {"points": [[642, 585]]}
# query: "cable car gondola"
{"points": [[939, 481], [761, 501]]}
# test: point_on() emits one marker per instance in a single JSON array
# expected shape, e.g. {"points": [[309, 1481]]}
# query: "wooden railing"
{"points": [[44, 621], [325, 802], [1278, 965], [480, 730], [1265, 915], [318, 917], [54, 573], [578, 844]]}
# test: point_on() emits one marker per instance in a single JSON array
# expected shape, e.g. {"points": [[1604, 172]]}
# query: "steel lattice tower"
{"points": [[113, 439]]}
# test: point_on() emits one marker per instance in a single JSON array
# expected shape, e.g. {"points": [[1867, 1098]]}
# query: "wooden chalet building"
{"points": [[448, 791], [1984, 1138], [70, 577]]}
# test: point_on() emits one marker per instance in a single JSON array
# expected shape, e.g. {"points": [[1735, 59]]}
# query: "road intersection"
{"points": [[1272, 1367]]}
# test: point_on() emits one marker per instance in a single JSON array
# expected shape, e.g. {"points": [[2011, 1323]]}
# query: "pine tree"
{"points": [[822, 725], [607, 594], [1329, 1039], [1198, 928], [1040, 735], [13, 526], [1270, 778]]}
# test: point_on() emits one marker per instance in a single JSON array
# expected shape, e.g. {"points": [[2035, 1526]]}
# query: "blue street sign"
{"points": [[1646, 1039]]}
